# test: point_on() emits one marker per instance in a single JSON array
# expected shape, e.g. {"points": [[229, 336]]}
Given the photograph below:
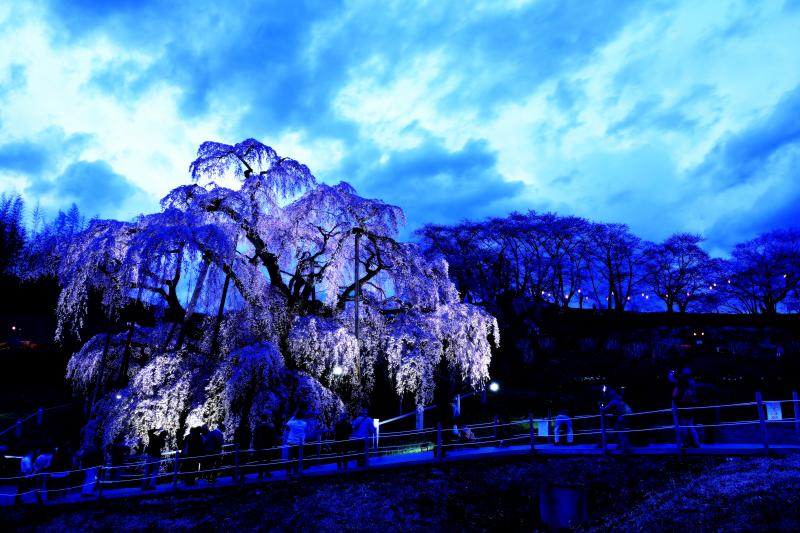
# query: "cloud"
{"points": [[93, 185], [738, 157], [23, 157], [597, 108], [433, 184]]}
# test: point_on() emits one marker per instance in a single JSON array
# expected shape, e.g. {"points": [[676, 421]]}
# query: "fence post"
{"points": [[236, 464], [495, 428], [19, 428], [438, 440], [175, 468], [677, 424], [603, 432], [420, 419], [796, 413], [39, 416], [319, 447], [533, 440], [101, 477], [762, 422], [300, 457]]}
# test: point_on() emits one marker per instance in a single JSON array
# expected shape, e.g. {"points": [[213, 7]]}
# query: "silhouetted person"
{"points": [[685, 397], [241, 439], [118, 452], [213, 441], [156, 438], [265, 441], [342, 432], [295, 438], [617, 409], [192, 449], [363, 430]]}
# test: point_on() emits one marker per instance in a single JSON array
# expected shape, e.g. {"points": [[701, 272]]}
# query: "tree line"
{"points": [[569, 261]]}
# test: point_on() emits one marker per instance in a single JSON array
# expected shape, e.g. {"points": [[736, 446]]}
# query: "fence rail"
{"points": [[662, 431]]}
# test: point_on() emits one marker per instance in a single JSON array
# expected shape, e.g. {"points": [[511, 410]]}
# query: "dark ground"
{"points": [[625, 494]]}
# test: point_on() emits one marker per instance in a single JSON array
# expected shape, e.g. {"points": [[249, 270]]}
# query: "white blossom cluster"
{"points": [[253, 295]]}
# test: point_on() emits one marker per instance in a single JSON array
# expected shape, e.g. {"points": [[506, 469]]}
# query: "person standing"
{"points": [[192, 449], [213, 442], [363, 429], [295, 438], [685, 397], [265, 440], [156, 438], [617, 409], [342, 432]]}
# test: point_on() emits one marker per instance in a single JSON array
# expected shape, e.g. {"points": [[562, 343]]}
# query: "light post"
{"points": [[358, 232]]}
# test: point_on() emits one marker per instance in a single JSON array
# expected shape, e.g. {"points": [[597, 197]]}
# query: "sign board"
{"points": [[774, 410], [542, 427]]}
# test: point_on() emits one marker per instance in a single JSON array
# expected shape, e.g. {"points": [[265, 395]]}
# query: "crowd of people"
{"points": [[49, 470]]}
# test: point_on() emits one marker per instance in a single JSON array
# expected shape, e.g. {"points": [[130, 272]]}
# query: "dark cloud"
{"points": [[738, 157], [650, 113], [433, 184], [777, 207], [42, 153], [24, 157], [93, 185]]}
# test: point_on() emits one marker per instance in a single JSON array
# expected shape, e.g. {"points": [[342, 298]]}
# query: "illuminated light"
{"points": [[119, 396], [784, 276], [604, 388], [729, 281], [642, 294], [579, 290], [629, 297], [494, 386], [715, 284], [13, 328], [337, 370]]}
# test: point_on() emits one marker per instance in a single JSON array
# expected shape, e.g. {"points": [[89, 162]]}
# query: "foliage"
{"points": [[253, 291]]}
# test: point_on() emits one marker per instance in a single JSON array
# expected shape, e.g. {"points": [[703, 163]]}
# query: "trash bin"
{"points": [[564, 506]]}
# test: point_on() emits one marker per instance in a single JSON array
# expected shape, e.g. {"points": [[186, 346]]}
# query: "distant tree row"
{"points": [[33, 248], [571, 262]]}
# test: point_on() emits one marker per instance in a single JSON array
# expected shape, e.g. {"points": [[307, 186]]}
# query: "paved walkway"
{"points": [[463, 453]]}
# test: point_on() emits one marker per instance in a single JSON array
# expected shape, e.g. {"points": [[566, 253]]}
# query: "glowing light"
{"points": [[337, 370], [13, 328], [494, 386], [604, 388], [119, 396]]}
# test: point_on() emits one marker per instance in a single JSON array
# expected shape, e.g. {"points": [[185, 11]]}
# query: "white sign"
{"points": [[542, 427], [774, 411]]}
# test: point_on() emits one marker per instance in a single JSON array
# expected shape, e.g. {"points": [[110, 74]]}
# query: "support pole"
{"points": [[439, 440], [18, 430], [603, 432], [300, 457], [533, 439], [39, 416], [420, 418], [762, 421], [175, 468], [677, 424], [236, 464], [796, 405], [101, 477]]}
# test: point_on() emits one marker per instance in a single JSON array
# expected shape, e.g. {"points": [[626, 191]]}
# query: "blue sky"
{"points": [[667, 116]]}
